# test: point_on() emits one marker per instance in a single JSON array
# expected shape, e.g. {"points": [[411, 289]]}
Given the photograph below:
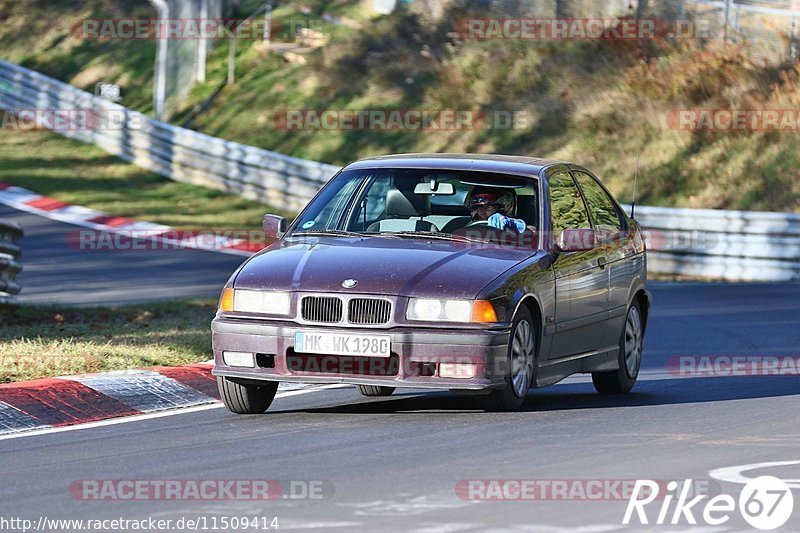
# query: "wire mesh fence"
{"points": [[767, 29]]}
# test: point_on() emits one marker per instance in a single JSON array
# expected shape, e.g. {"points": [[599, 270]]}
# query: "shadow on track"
{"points": [[576, 396]]}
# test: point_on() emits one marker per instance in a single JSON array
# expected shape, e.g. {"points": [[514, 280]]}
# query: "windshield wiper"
{"points": [[385, 234], [430, 235], [329, 232]]}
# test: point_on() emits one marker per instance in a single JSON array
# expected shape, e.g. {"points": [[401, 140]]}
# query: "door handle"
{"points": [[601, 262]]}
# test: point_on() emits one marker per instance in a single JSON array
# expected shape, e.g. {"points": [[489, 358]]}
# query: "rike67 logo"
{"points": [[765, 503]]}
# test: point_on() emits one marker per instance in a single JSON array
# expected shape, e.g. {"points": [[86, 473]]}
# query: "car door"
{"points": [[581, 278], [615, 245]]}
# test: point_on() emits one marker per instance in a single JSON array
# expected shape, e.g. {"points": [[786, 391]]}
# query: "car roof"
{"points": [[507, 164]]}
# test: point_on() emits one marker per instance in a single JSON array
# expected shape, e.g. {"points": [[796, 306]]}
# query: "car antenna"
{"points": [[635, 177]]}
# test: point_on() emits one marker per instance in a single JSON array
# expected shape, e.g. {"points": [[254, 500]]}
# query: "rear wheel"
{"points": [[375, 390], [630, 356], [246, 399], [520, 363]]}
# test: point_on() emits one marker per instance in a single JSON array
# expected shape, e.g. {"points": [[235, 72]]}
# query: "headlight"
{"points": [[251, 301], [439, 310]]}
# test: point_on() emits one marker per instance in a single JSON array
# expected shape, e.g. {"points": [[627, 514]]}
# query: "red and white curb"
{"points": [[86, 398], [69, 400], [44, 206]]}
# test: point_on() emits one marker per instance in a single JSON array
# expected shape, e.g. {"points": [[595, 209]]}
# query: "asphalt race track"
{"points": [[394, 463], [59, 273]]}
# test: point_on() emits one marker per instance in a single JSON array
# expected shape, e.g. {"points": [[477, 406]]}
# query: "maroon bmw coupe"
{"points": [[482, 273]]}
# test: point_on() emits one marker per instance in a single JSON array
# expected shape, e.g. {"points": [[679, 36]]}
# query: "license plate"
{"points": [[342, 344]]}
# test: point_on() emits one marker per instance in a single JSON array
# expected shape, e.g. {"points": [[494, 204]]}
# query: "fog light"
{"points": [[457, 370], [244, 359]]}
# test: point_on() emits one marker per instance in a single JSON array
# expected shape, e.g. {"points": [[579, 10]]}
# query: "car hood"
{"points": [[380, 265]]}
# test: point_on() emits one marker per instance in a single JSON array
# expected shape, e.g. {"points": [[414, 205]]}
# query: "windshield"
{"points": [[426, 203]]}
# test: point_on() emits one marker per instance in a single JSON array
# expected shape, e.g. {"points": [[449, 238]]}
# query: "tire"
{"points": [[631, 341], [375, 390], [520, 367], [246, 399]]}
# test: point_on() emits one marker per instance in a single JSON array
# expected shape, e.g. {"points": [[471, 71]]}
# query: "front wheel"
{"points": [[375, 390], [246, 399], [520, 363], [630, 356]]}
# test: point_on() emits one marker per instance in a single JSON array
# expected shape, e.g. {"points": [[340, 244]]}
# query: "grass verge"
{"points": [[53, 341], [82, 174]]}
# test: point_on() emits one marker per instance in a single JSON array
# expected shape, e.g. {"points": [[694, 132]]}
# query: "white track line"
{"points": [[150, 416], [735, 474]]}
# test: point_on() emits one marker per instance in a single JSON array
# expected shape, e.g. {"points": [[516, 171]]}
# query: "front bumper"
{"points": [[412, 350]]}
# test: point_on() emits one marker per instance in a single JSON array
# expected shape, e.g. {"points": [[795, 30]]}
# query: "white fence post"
{"points": [[160, 82]]}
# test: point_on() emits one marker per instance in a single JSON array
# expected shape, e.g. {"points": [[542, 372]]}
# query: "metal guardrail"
{"points": [[733, 245], [177, 153], [10, 233], [730, 245]]}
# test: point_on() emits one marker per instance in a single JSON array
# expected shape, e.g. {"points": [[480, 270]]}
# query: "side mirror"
{"points": [[274, 226], [577, 240]]}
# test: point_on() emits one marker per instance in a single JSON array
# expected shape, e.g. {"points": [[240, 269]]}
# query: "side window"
{"points": [[566, 204], [604, 213]]}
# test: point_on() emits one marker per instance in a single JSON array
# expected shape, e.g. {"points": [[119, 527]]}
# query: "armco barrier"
{"points": [[177, 153], [10, 233], [731, 245], [734, 245]]}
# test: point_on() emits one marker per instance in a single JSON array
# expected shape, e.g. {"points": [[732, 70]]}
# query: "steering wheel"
{"points": [[475, 223]]}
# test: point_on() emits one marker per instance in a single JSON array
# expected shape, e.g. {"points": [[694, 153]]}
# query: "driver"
{"points": [[495, 206]]}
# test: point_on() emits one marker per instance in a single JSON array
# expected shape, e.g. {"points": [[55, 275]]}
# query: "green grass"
{"points": [[45, 36], [39, 35], [601, 104], [598, 104], [51, 341], [82, 174]]}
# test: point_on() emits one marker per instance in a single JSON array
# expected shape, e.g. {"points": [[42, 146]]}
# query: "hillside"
{"points": [[599, 103]]}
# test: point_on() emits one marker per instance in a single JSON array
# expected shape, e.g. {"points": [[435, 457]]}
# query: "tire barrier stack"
{"points": [[10, 233]]}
